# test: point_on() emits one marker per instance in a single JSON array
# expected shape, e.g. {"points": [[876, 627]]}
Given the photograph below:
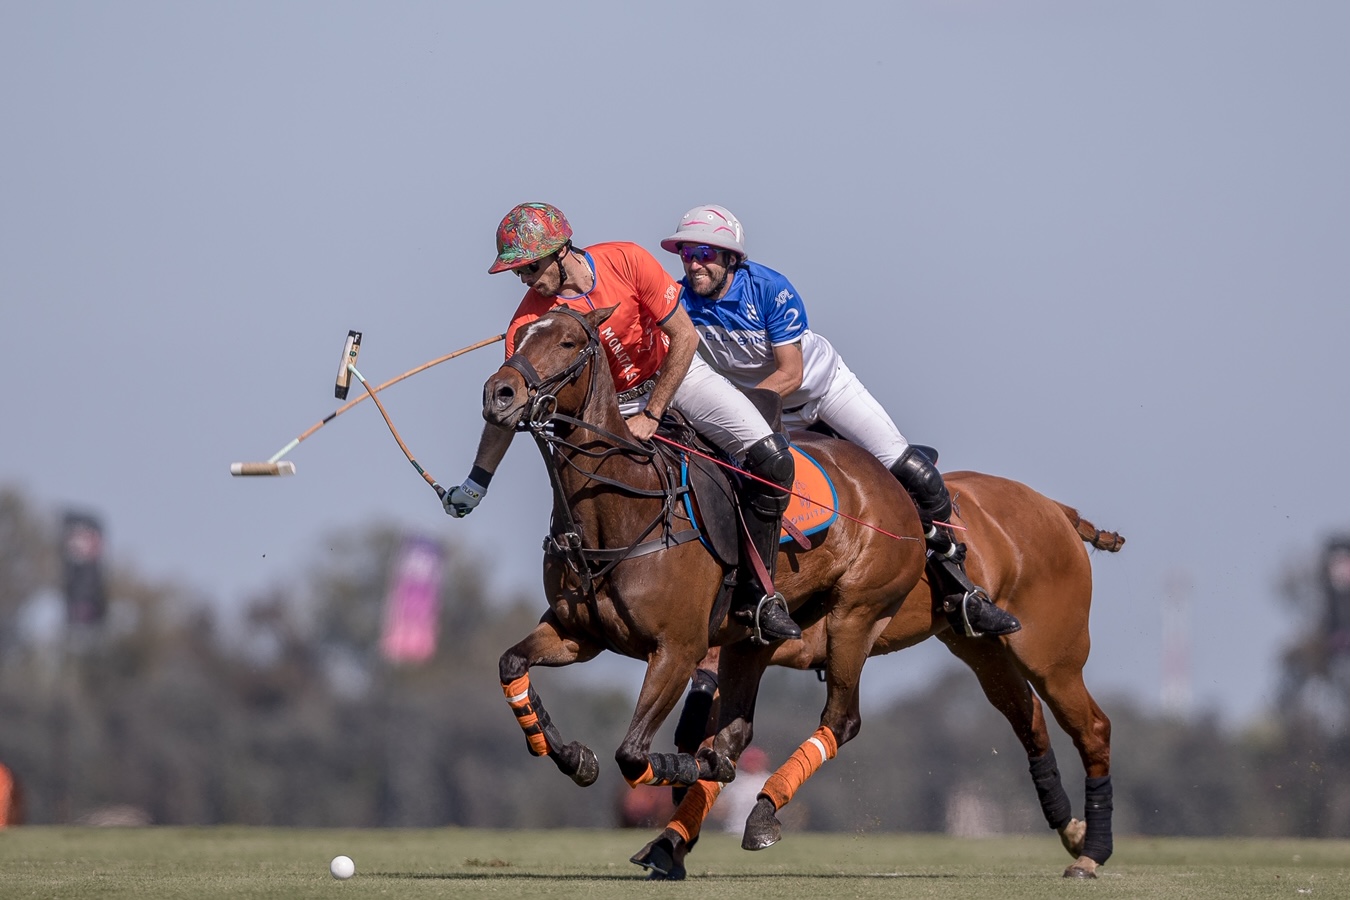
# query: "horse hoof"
{"points": [[1083, 869], [1072, 836], [762, 828], [588, 767], [658, 857]]}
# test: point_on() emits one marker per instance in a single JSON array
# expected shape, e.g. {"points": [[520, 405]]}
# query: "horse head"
{"points": [[544, 374]]}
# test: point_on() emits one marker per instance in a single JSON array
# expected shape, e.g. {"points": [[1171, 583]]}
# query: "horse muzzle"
{"points": [[504, 398]]}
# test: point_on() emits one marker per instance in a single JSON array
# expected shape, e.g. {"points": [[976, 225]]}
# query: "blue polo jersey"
{"points": [[761, 310]]}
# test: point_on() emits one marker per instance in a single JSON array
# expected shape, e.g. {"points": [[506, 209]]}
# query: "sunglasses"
{"points": [[529, 270], [702, 253]]}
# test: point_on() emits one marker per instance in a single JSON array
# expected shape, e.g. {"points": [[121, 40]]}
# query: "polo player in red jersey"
{"points": [[650, 344]]}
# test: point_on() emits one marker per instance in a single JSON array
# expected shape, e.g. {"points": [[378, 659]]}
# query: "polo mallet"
{"points": [[440, 491], [276, 466]]}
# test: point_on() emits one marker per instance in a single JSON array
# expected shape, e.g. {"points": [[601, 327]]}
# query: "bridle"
{"points": [[542, 392], [541, 420]]}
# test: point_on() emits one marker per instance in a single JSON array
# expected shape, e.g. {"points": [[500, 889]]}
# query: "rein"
{"points": [[745, 474], [541, 421]]}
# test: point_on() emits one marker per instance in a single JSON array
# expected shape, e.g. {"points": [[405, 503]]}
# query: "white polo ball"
{"points": [[342, 867]]}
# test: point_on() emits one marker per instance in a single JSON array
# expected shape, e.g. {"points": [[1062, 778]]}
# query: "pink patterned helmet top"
{"points": [[530, 231], [709, 224]]}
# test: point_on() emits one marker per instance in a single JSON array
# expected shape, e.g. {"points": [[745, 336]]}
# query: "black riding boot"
{"points": [[968, 608], [763, 507]]}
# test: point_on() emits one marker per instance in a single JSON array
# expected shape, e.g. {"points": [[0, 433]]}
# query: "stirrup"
{"points": [[994, 622], [770, 601]]}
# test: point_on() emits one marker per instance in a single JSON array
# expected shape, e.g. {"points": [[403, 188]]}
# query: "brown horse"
{"points": [[1028, 551], [613, 503]]}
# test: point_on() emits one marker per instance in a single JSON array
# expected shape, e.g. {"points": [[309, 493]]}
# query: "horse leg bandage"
{"points": [[1054, 801], [668, 768], [693, 809], [521, 698], [801, 765], [1098, 843]]}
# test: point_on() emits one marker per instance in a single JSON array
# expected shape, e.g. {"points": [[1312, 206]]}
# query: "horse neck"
{"points": [[589, 500]]}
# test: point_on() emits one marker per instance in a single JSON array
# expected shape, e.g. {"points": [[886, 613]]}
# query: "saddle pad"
{"points": [[812, 508]]}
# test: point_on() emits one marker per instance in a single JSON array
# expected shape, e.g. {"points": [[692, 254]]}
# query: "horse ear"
{"points": [[597, 316]]}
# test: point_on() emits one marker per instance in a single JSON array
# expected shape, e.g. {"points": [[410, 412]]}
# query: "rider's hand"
{"points": [[643, 425], [460, 501]]}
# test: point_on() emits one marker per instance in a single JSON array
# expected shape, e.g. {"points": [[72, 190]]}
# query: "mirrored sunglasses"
{"points": [[700, 253]]}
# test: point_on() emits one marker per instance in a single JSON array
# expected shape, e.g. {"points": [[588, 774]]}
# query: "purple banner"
{"points": [[412, 603]]}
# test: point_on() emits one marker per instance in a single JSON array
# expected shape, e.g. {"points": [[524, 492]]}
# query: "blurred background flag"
{"points": [[1336, 584], [412, 602], [82, 564]]}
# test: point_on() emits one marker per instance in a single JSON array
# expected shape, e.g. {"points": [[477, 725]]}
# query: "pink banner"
{"points": [[412, 603]]}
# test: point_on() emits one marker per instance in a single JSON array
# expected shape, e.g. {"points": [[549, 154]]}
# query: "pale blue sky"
{"points": [[1097, 247]]}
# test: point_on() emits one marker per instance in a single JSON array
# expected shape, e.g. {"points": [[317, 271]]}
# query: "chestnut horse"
{"points": [[612, 503], [1028, 551]]}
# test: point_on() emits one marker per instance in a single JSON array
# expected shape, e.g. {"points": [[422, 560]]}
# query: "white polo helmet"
{"points": [[711, 225]]}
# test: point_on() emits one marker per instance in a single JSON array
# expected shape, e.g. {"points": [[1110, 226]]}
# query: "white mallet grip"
{"points": [[285, 467]]}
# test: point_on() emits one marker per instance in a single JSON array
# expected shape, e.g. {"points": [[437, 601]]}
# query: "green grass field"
{"points": [[154, 863]]}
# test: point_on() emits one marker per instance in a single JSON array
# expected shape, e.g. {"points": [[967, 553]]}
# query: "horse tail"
{"points": [[1109, 541]]}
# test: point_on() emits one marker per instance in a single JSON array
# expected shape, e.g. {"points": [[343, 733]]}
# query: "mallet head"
{"points": [[285, 467], [350, 351]]}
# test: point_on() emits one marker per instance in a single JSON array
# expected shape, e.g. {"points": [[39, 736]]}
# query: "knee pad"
{"points": [[769, 458], [924, 483]]}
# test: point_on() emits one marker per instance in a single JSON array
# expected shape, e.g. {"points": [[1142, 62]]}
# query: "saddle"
{"points": [[702, 503], [710, 497]]}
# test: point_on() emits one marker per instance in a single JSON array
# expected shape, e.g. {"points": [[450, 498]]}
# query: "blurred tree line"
{"points": [[292, 717]]}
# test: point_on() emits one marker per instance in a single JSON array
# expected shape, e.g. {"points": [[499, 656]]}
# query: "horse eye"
{"points": [[568, 345]]}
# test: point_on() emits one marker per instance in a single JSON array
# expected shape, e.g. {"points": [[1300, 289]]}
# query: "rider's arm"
{"points": [[780, 308], [683, 345], [492, 448], [462, 500], [788, 376]]}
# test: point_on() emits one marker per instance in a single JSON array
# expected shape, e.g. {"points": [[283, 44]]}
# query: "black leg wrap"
{"points": [[1097, 843], [1054, 801], [542, 724], [693, 725], [673, 768]]}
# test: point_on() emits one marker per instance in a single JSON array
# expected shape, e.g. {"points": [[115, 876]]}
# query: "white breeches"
{"points": [[716, 408], [849, 409]]}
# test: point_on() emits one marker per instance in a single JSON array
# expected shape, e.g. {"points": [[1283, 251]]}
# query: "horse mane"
{"points": [[1109, 541]]}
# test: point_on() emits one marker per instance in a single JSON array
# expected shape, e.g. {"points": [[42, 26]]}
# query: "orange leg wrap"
{"points": [[518, 698], [801, 765], [647, 777], [697, 803], [6, 797]]}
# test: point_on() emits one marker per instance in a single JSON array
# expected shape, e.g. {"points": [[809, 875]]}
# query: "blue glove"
{"points": [[460, 501]]}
